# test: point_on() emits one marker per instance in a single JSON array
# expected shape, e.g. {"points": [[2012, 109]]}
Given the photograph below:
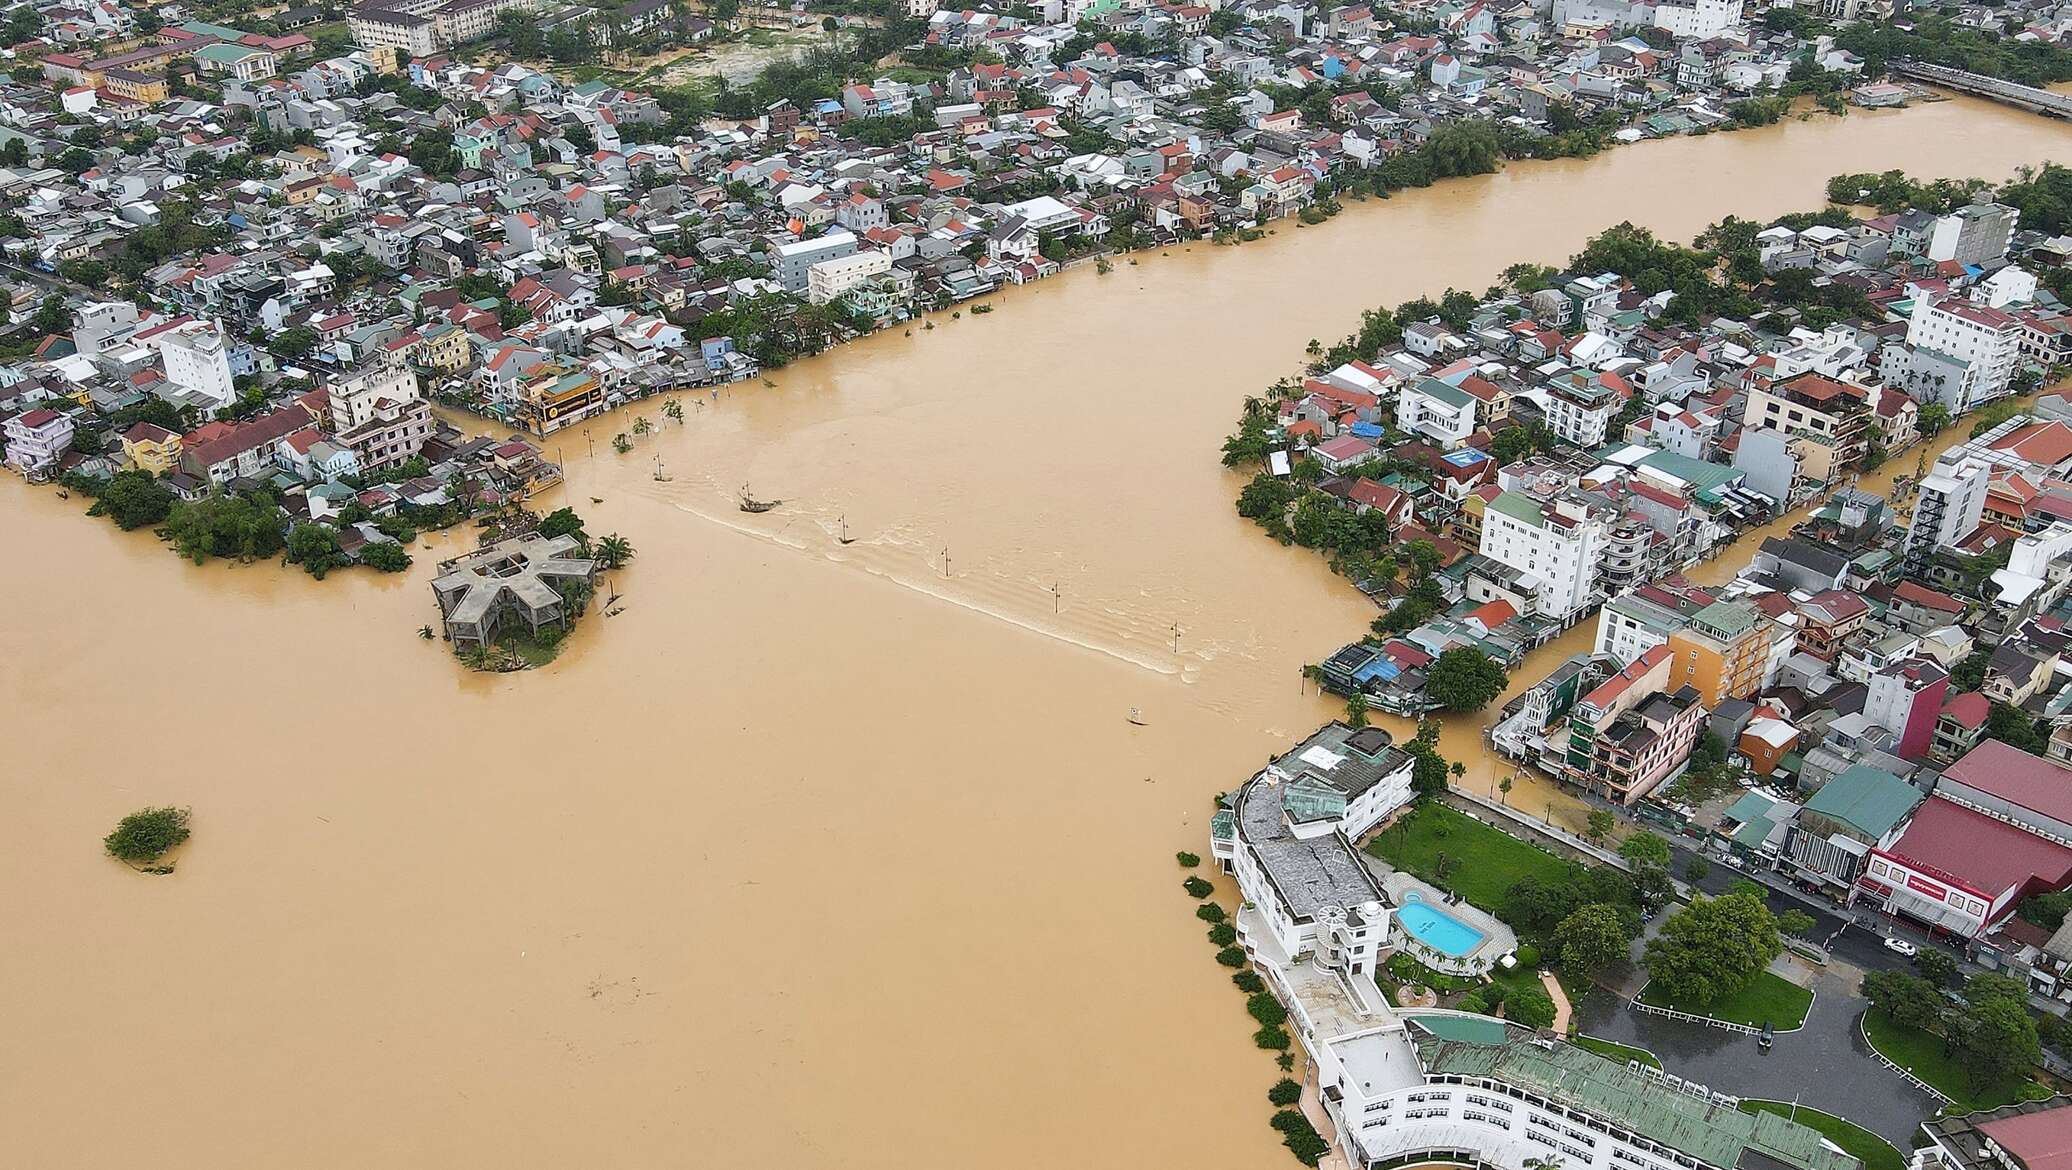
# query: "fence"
{"points": [[1533, 827], [1918, 1083], [1687, 1017]]}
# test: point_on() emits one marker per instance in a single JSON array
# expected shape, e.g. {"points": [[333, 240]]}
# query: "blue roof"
{"points": [[1465, 457], [1368, 430], [1381, 668]]}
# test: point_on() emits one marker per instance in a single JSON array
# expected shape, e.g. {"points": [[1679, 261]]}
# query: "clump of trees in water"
{"points": [[144, 837]]}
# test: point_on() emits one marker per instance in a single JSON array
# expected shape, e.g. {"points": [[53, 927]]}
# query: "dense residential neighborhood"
{"points": [[1754, 550]]}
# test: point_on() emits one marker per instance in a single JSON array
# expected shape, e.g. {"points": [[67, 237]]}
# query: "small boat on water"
{"points": [[845, 538], [661, 476], [1137, 716], [750, 504]]}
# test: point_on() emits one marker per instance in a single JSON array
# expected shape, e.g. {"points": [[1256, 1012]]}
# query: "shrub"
{"points": [[1231, 956], [1531, 1006], [1300, 1136], [548, 637], [1223, 934], [1197, 887], [1284, 1092], [1528, 956], [1248, 982], [1473, 1002], [389, 558], [147, 835], [1187, 860], [1266, 1009], [1494, 994], [1272, 1036], [1209, 912]]}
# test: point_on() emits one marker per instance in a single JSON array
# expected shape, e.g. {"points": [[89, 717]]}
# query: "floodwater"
{"points": [[817, 854]]}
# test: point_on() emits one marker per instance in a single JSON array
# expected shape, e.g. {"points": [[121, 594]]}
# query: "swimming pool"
{"points": [[1437, 929]]}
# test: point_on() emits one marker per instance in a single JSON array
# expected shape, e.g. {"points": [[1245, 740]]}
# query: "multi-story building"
{"points": [[150, 447], [1632, 754], [1975, 234], [1972, 352], [1556, 548], [1997, 830], [1906, 698], [1683, 19], [1829, 421], [1831, 837], [831, 279], [377, 27], [791, 262], [553, 394], [1437, 410], [1424, 1086], [1582, 413], [36, 440], [197, 363], [1948, 507], [1722, 652], [1287, 834]]}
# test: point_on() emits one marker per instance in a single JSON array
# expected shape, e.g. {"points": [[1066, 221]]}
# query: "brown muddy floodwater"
{"points": [[817, 855]]}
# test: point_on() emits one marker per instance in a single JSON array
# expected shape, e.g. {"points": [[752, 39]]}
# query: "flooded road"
{"points": [[819, 854]]}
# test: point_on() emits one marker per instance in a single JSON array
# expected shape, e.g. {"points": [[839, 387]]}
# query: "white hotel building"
{"points": [[1432, 1086]]}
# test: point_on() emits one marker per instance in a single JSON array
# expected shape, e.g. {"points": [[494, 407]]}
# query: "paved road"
{"points": [[1825, 1064]]}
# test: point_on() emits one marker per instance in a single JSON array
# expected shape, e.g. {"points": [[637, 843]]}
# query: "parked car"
{"points": [[1900, 946]]}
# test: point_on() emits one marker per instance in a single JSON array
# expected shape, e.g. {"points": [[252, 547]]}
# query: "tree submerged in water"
{"points": [[145, 836]]}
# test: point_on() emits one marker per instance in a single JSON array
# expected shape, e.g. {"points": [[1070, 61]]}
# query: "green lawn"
{"points": [[1770, 1000], [1619, 1052], [1482, 862], [1873, 1151], [1921, 1053]]}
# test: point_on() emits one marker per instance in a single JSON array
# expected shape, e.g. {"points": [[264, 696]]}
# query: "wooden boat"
{"points": [[750, 504], [845, 538], [1136, 716]]}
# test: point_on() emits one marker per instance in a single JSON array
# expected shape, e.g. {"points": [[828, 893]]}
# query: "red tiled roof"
{"points": [[1988, 855], [2041, 1140], [2014, 775]]}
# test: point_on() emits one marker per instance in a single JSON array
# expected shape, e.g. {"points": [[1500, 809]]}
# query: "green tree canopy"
{"points": [[1712, 948]]}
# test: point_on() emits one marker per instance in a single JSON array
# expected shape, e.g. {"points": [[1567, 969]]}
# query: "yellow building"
{"points": [[556, 394], [444, 347], [137, 87], [1722, 653], [150, 447]]}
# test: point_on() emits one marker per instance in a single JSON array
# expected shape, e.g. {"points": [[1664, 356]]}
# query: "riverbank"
{"points": [[510, 940]]}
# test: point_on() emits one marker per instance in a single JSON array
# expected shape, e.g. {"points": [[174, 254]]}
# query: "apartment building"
{"points": [[1829, 422], [1556, 548]]}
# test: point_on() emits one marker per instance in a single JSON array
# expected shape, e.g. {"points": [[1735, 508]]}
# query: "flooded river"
{"points": [[818, 854]]}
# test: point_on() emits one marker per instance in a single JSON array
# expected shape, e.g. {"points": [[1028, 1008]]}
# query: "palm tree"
{"points": [[1503, 788], [613, 551], [1459, 770]]}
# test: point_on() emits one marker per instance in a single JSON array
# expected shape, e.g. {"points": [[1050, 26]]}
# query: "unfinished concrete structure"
{"points": [[517, 580]]}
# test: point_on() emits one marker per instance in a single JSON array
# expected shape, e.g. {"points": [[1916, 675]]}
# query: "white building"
{"points": [[1987, 342], [1440, 412], [379, 411], [1951, 500], [1686, 19], [1629, 626], [36, 440], [1288, 834], [1582, 414], [197, 362], [792, 261], [829, 279], [1973, 234], [1555, 548]]}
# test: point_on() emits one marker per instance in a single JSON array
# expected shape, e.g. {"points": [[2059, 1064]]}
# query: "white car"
{"points": [[1900, 946]]}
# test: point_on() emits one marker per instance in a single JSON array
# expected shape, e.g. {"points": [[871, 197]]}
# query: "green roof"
{"points": [[1712, 1130], [202, 28], [1752, 806], [229, 54], [1451, 395], [1708, 477], [1870, 800], [1520, 507], [1729, 619]]}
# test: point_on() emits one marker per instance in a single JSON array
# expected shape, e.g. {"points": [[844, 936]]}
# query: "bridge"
{"points": [[2038, 101]]}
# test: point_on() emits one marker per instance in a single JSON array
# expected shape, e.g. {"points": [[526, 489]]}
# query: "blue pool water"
{"points": [[1437, 929]]}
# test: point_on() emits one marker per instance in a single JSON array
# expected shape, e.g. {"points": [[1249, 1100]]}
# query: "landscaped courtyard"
{"points": [[1456, 852], [1767, 1000], [1921, 1053]]}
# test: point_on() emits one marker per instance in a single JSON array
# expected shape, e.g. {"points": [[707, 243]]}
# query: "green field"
{"points": [[1873, 1151], [1766, 1000], [1482, 863], [1619, 1052], [1921, 1053]]}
